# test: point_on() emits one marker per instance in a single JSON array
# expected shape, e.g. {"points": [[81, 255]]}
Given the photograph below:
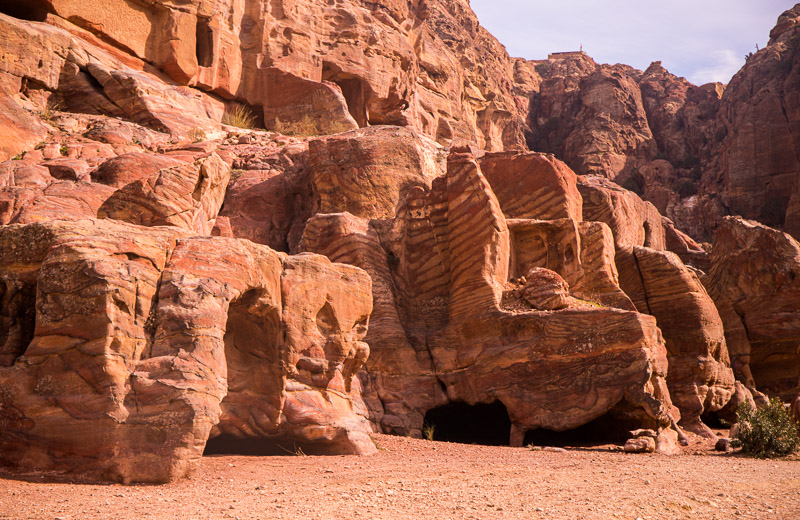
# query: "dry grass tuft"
{"points": [[240, 116]]}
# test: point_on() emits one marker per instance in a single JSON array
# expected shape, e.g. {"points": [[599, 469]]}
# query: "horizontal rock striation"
{"points": [[163, 288]]}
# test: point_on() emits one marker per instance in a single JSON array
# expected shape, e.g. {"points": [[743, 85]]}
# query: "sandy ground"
{"points": [[420, 479]]}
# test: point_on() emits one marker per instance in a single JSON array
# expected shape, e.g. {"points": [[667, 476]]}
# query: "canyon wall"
{"points": [[383, 247]]}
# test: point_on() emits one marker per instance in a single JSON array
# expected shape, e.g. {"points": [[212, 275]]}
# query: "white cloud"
{"points": [[726, 63], [698, 39]]}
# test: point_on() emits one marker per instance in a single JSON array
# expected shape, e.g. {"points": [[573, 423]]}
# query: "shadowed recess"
{"points": [[609, 428], [262, 447], [470, 424], [31, 10]]}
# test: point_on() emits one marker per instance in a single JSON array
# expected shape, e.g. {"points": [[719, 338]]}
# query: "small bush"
{"points": [[768, 431], [303, 127], [51, 107], [195, 134], [428, 431], [307, 126], [239, 116]]}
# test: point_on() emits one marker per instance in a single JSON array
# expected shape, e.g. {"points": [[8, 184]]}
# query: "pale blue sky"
{"points": [[702, 40]]}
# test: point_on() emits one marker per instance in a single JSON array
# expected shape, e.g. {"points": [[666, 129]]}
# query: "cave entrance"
{"points": [[17, 320], [32, 10], [610, 428], [204, 39], [354, 91], [251, 446], [486, 424], [283, 445], [251, 408]]}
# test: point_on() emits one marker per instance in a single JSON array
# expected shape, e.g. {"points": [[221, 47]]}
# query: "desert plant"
{"points": [[768, 431], [307, 126], [428, 431], [195, 134], [304, 126], [50, 108], [63, 149], [239, 116], [19, 156]]}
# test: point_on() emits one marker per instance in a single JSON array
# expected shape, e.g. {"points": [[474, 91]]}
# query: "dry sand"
{"points": [[417, 479]]}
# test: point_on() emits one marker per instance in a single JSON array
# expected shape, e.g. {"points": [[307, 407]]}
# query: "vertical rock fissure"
{"points": [[641, 278]]}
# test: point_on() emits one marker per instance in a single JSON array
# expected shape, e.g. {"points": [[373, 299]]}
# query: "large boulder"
{"points": [[755, 276], [188, 196], [147, 341]]}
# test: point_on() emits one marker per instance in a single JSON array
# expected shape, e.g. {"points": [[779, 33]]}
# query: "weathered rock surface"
{"points": [[129, 335], [658, 283], [452, 258], [759, 174], [365, 172], [125, 169], [755, 277], [532, 186], [331, 67], [591, 116], [188, 196], [700, 378], [147, 338]]}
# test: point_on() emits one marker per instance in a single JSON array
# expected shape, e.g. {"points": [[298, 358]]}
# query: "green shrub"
{"points": [[768, 431]]}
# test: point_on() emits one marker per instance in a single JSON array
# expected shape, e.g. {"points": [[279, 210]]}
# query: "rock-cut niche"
{"points": [[255, 378], [204, 43], [482, 423], [353, 89], [17, 320]]}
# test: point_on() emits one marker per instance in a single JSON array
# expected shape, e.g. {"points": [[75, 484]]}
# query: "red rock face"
{"points": [[697, 153], [147, 338], [754, 276], [759, 167], [308, 67], [449, 253], [148, 301]]}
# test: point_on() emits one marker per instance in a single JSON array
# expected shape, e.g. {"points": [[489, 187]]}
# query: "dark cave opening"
{"points": [[32, 10], [226, 444], [17, 320], [353, 90], [610, 428], [712, 420], [460, 422], [204, 43]]}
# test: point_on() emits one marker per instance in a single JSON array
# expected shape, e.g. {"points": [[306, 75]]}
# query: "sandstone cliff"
{"points": [[697, 152], [162, 278]]}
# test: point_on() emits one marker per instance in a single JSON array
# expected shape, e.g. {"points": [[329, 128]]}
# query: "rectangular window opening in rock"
{"points": [[204, 43]]}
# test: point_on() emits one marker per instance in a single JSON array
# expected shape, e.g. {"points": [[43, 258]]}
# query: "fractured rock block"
{"points": [[187, 196], [755, 277]]}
